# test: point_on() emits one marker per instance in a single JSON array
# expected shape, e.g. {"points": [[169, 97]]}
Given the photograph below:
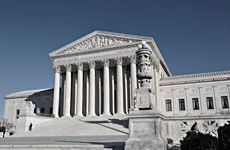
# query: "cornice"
{"points": [[97, 50], [196, 78], [68, 58], [198, 117], [85, 40]]}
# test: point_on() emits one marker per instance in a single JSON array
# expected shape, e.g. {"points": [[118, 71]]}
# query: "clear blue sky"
{"points": [[193, 36]]}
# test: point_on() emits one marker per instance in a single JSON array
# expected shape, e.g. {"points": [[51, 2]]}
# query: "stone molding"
{"points": [[71, 59], [193, 78]]}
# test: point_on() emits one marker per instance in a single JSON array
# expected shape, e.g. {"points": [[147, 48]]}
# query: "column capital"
{"points": [[79, 66], [92, 64], [57, 69], [68, 67], [105, 62], [132, 59], [119, 60]]}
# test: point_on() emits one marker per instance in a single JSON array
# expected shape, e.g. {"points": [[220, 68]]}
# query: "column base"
{"points": [[66, 116], [119, 114], [55, 116], [78, 116], [107, 115], [91, 115]]}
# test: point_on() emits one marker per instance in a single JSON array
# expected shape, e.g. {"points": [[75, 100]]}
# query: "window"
{"points": [[181, 104], [195, 103], [224, 101], [168, 105], [210, 103], [17, 113], [42, 110]]}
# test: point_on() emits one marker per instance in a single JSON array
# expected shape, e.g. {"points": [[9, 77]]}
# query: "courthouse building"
{"points": [[96, 76]]}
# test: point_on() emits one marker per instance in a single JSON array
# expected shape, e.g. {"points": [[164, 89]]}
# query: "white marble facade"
{"points": [[96, 76]]}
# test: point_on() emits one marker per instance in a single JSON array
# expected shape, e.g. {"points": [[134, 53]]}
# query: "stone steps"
{"points": [[54, 147], [79, 127]]}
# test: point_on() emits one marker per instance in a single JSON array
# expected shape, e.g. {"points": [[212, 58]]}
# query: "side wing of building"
{"points": [[201, 98]]}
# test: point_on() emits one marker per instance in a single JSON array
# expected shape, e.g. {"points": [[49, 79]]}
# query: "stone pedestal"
{"points": [[145, 131]]}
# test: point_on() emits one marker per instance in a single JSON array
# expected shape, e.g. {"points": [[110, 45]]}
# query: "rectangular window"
{"points": [[224, 101], [168, 105], [17, 113], [195, 103], [210, 104], [181, 104], [42, 110]]}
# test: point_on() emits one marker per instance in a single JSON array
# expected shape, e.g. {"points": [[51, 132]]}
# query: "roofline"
{"points": [[196, 77], [138, 37], [26, 93], [99, 32]]}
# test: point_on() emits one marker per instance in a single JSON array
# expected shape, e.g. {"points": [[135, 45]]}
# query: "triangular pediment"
{"points": [[98, 40]]}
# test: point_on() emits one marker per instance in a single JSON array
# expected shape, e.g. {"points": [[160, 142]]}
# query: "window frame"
{"points": [[195, 103], [181, 104], [224, 102], [17, 113], [210, 102], [168, 104]]}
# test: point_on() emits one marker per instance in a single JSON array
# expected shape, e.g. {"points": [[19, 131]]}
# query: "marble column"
{"points": [[68, 92], [133, 78], [120, 105], [92, 89], [56, 91], [87, 92], [106, 107], [125, 72], [75, 93], [79, 89], [112, 93]]}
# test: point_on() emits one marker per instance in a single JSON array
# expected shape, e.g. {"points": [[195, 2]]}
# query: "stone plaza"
{"points": [[99, 81]]}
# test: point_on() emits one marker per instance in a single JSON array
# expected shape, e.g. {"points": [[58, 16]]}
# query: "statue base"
{"points": [[145, 130]]}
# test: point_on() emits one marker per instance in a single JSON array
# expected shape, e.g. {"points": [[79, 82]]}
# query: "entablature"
{"points": [[196, 78]]}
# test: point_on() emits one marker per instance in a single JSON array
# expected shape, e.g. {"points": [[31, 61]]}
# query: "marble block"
{"points": [[145, 131]]}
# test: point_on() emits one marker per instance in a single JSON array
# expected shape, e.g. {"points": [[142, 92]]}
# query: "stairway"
{"points": [[73, 126]]}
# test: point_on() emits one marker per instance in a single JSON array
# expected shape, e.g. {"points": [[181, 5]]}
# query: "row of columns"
{"points": [[106, 93]]}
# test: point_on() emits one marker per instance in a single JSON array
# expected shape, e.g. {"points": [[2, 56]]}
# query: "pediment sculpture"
{"points": [[97, 41]]}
